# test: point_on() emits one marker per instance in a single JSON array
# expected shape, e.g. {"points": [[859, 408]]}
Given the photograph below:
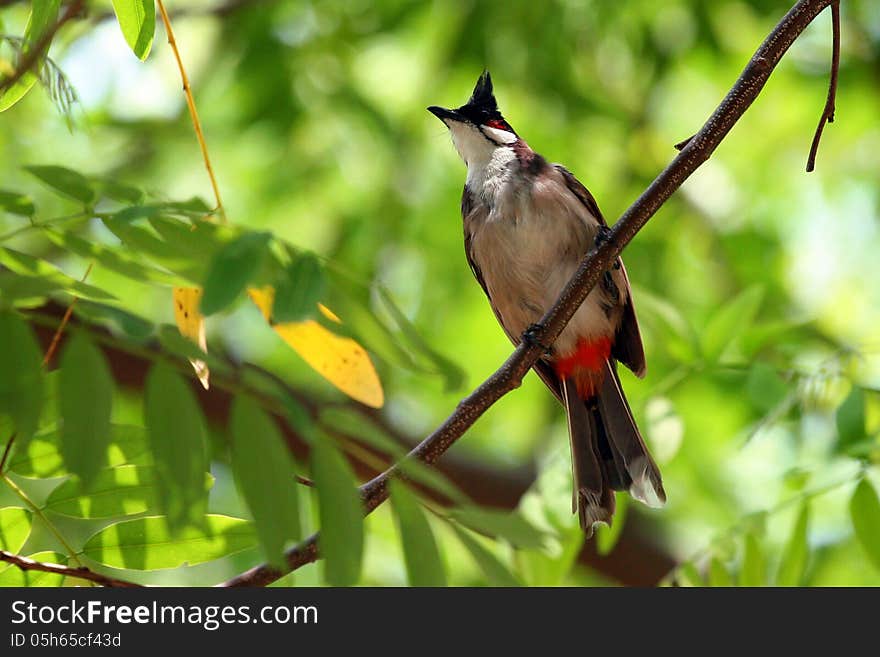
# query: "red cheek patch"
{"points": [[498, 125]]}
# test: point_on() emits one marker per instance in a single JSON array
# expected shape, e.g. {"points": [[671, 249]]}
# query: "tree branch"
{"points": [[80, 572], [828, 110], [509, 376]]}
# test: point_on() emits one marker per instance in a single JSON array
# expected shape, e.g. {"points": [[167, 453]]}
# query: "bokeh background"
{"points": [[757, 285]]}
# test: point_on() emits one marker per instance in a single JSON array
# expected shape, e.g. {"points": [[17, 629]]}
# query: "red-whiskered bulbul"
{"points": [[527, 226]]}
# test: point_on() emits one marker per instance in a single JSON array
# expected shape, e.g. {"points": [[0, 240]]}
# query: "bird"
{"points": [[528, 223]]}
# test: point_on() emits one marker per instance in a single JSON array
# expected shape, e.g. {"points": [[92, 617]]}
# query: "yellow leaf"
{"points": [[191, 324], [340, 360]]}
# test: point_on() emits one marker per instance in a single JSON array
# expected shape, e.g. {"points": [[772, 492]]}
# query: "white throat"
{"points": [[488, 163]]}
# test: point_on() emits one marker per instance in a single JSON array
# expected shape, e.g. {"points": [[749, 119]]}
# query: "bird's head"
{"points": [[477, 127]]}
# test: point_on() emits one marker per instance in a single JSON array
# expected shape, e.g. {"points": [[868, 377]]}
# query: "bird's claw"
{"points": [[530, 337], [602, 235]]}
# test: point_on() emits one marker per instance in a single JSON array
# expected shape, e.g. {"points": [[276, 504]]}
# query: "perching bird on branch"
{"points": [[527, 226]]}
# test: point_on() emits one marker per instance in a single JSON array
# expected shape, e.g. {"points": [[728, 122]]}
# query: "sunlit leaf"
{"points": [[687, 575], [264, 471], [718, 573], [176, 432], [137, 18], [729, 321], [424, 565], [110, 258], [509, 525], [69, 183], [864, 510], [340, 360], [793, 565], [495, 571], [42, 16], [85, 397], [191, 324], [12, 575], [125, 490], [21, 376], [147, 544], [15, 203], [452, 373], [754, 570], [341, 515], [28, 265], [15, 527], [41, 455], [231, 269]]}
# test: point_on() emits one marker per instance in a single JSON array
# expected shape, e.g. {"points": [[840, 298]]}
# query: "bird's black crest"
{"points": [[483, 97], [482, 107]]}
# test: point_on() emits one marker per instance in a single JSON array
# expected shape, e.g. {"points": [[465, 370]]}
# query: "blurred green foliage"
{"points": [[757, 285]]}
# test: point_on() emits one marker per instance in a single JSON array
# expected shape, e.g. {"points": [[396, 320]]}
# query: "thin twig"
{"points": [[79, 572], [597, 261], [53, 346], [39, 49], [191, 104], [828, 110], [7, 451]]}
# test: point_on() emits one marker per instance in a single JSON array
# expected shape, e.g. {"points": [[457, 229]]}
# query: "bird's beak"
{"points": [[445, 114]]}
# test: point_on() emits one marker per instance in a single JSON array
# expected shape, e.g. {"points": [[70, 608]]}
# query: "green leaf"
{"points": [[14, 576], [147, 544], [495, 571], [299, 290], [341, 514], [679, 337], [112, 259], [231, 270], [43, 15], [687, 576], [118, 191], [125, 490], [133, 326], [28, 265], [765, 388], [21, 376], [66, 181], [15, 527], [424, 566], [850, 420], [607, 537], [85, 400], [509, 525], [41, 455], [793, 565], [137, 18], [718, 575], [176, 433], [864, 509], [264, 471], [754, 570], [15, 203], [454, 376], [729, 321]]}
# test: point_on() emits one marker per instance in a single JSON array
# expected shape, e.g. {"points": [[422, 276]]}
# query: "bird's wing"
{"points": [[627, 347]]}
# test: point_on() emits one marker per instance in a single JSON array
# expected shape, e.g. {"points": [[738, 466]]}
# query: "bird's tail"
{"points": [[607, 451]]}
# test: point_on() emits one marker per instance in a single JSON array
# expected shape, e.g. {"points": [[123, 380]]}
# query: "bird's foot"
{"points": [[602, 236], [530, 337]]}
